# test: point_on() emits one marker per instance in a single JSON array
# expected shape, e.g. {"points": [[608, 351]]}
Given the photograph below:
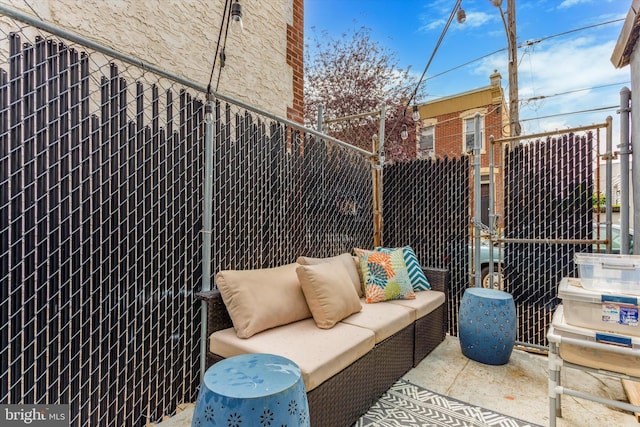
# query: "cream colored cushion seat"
{"points": [[320, 353], [425, 302], [382, 318]]}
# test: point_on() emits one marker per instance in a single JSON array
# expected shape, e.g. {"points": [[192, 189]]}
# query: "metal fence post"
{"points": [[378, 164], [477, 200], [608, 183], [492, 208], [320, 124], [207, 208], [625, 96]]}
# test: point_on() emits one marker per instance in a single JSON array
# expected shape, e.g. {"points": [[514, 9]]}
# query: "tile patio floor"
{"points": [[518, 389]]}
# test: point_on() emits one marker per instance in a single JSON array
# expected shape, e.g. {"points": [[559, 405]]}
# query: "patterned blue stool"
{"points": [[252, 390], [487, 325]]}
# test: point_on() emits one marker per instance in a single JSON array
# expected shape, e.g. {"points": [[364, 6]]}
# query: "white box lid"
{"points": [[619, 261], [571, 289]]}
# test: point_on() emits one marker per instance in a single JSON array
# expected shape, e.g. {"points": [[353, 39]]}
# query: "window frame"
{"points": [[470, 115], [430, 152]]}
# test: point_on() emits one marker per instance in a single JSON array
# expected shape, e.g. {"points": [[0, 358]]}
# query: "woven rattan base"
{"points": [[345, 397]]}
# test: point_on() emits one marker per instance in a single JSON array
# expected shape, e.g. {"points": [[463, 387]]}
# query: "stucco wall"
{"points": [[180, 36]]}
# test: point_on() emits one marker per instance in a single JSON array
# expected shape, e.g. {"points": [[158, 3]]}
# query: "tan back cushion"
{"points": [[350, 263], [329, 293], [261, 299]]}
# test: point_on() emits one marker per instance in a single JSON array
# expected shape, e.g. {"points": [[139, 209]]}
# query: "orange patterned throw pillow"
{"points": [[384, 275]]}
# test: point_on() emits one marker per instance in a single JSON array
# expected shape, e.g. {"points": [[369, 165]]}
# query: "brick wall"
{"points": [[448, 137], [295, 59]]}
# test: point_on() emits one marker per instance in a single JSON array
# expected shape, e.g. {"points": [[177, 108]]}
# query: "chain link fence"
{"points": [[549, 216], [426, 206], [101, 177], [100, 173], [544, 214]]}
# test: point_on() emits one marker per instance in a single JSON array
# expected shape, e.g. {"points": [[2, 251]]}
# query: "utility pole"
{"points": [[514, 114], [512, 48]]}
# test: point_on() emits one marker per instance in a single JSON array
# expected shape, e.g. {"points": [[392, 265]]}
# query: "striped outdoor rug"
{"points": [[408, 405]]}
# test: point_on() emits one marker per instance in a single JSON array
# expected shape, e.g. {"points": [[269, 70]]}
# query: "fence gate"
{"points": [[549, 183]]}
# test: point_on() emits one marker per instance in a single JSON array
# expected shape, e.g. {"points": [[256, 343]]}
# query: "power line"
{"points": [[537, 98], [466, 63], [433, 54], [591, 110], [523, 44], [564, 33], [215, 58]]}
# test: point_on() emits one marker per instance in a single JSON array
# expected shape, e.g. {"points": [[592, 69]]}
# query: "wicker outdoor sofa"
{"points": [[347, 394]]}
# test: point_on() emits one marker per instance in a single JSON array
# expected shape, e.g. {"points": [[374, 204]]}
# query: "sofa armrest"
{"points": [[439, 281], [438, 278], [217, 314], [209, 296]]}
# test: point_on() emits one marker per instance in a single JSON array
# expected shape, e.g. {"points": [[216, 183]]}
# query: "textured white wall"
{"points": [[180, 36]]}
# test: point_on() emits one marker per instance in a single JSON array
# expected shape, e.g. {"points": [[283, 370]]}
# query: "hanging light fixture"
{"points": [[404, 134], [461, 16], [236, 13], [416, 114]]}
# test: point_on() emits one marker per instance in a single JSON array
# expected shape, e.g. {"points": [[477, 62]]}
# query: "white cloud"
{"points": [[436, 15], [433, 24], [478, 19], [569, 3], [561, 67]]}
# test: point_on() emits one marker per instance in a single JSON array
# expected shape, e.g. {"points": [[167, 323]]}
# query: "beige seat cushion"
{"points": [[350, 263], [261, 299], [425, 302], [320, 353], [329, 292], [382, 318]]}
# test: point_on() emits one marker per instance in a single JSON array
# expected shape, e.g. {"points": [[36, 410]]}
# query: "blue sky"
{"points": [[576, 62]]}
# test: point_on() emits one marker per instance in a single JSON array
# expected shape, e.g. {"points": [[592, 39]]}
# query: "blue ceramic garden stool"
{"points": [[252, 390], [487, 325]]}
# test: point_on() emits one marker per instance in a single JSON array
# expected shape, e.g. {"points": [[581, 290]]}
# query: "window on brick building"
{"points": [[426, 147], [468, 134]]}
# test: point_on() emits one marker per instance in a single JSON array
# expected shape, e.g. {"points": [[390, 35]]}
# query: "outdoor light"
{"points": [[461, 16], [236, 13], [416, 114], [404, 134], [496, 3]]}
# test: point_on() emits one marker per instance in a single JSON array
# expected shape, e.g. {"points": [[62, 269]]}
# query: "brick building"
{"points": [[446, 128]]}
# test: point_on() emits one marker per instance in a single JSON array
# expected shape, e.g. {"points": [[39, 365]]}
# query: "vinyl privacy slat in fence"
{"points": [[101, 172], [548, 188], [101, 209], [78, 207], [426, 205]]}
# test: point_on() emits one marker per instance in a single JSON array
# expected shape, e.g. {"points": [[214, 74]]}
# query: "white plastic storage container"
{"points": [[609, 272], [600, 358], [598, 310]]}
